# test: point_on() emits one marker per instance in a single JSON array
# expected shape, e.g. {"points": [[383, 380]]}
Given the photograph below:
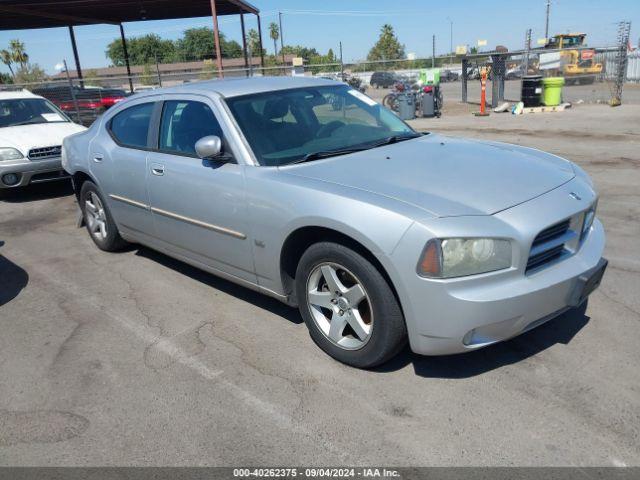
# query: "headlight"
{"points": [[459, 257], [9, 154], [589, 217]]}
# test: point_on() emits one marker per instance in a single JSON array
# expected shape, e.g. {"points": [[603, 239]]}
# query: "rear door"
{"points": [[198, 206], [123, 154]]}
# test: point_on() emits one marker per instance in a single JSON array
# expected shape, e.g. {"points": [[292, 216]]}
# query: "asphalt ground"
{"points": [[137, 359]]}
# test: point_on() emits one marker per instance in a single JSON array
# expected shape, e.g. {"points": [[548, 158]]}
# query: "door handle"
{"points": [[98, 157], [157, 169]]}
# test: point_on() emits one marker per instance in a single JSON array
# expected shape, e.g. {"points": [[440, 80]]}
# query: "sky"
{"points": [[357, 24]]}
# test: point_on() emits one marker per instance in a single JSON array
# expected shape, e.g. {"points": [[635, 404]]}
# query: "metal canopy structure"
{"points": [[35, 14]]}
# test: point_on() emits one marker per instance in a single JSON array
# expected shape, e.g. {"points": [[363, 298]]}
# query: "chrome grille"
{"points": [[547, 256], [552, 232], [554, 242], [45, 153]]}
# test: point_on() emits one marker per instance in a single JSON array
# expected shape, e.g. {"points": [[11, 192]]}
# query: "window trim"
{"points": [[227, 151], [150, 128]]}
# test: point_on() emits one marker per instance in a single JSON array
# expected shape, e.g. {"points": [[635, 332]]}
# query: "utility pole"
{"points": [[527, 47], [281, 36], [73, 93], [433, 51], [341, 64], [451, 36], [546, 26], [158, 72]]}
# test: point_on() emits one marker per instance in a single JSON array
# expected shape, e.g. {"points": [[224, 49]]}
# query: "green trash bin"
{"points": [[430, 76], [552, 91]]}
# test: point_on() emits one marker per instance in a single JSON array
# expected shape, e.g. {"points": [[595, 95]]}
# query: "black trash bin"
{"points": [[532, 90]]}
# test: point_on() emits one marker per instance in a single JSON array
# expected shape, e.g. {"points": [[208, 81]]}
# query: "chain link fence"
{"points": [[591, 81], [590, 74]]}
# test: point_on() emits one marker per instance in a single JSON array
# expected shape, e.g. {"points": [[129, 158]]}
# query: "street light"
{"points": [[450, 34], [62, 67]]}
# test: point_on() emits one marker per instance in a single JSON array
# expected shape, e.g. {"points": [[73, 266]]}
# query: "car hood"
{"points": [[446, 176], [26, 137]]}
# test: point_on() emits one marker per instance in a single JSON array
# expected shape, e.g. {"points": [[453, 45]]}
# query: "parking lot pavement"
{"points": [[137, 359]]}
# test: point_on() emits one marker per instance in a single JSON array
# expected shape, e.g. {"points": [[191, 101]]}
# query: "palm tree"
{"points": [[7, 59], [274, 33], [18, 53], [254, 42]]}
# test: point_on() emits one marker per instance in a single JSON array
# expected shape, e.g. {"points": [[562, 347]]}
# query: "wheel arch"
{"points": [[78, 178], [299, 240]]}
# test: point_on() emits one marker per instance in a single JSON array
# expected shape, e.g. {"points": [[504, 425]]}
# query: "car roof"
{"points": [[8, 95], [234, 87]]}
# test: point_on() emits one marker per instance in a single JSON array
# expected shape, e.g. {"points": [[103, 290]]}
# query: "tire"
{"points": [[377, 314], [391, 102], [105, 234]]}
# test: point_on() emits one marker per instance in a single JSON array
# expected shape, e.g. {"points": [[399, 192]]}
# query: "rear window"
{"points": [[130, 127]]}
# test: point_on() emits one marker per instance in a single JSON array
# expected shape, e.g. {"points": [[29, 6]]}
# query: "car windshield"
{"points": [[290, 126], [29, 111]]}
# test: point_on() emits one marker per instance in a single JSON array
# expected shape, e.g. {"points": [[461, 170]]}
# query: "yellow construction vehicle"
{"points": [[577, 65]]}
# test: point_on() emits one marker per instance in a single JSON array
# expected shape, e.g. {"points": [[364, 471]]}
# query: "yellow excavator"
{"points": [[577, 65]]}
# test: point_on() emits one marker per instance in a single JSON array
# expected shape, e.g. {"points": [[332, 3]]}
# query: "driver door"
{"points": [[198, 206]]}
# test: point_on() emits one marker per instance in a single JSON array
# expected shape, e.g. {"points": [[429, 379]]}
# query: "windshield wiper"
{"points": [[326, 154], [394, 139], [334, 153], [28, 122]]}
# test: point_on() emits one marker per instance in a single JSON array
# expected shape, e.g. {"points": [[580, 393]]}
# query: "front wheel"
{"points": [[350, 310]]}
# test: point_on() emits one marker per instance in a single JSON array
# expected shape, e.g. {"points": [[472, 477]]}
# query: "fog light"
{"points": [[11, 179]]}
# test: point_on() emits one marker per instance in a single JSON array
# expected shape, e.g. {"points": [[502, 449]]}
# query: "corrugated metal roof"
{"points": [[23, 14]]}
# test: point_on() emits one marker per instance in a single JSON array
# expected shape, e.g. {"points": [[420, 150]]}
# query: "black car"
{"points": [[383, 79]]}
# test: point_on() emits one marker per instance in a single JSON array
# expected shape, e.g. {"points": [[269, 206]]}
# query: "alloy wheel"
{"points": [[340, 306], [96, 217]]}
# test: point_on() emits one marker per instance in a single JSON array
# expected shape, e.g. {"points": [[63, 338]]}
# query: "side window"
{"points": [[183, 124], [131, 126]]}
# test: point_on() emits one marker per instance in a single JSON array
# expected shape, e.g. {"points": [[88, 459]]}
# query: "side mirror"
{"points": [[209, 147]]}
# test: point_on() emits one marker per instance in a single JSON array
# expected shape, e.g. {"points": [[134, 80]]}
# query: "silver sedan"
{"points": [[308, 191]]}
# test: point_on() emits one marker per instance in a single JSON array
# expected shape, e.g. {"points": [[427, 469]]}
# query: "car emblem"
{"points": [[575, 195]]}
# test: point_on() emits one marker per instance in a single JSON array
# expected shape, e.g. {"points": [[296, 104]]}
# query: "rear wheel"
{"points": [[348, 306], [391, 102], [98, 220]]}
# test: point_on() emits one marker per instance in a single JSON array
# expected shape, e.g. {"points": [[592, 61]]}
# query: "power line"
{"points": [[352, 13]]}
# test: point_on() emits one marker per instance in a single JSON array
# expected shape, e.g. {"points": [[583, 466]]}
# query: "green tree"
{"points": [[253, 42], [18, 53], [5, 78], [7, 59], [199, 44], [30, 73], [300, 51], [231, 49], [148, 77], [387, 47], [274, 33], [142, 50]]}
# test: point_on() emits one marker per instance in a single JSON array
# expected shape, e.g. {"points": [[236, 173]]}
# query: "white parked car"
{"points": [[31, 133]]}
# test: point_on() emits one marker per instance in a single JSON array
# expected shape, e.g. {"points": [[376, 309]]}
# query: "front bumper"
{"points": [[38, 171], [475, 316], [447, 316]]}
